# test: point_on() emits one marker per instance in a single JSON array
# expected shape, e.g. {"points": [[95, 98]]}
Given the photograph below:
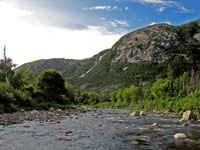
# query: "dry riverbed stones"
{"points": [[52, 116]]}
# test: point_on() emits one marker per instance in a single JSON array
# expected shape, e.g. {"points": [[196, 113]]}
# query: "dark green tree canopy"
{"points": [[51, 85]]}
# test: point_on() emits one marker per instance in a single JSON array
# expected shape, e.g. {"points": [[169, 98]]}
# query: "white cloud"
{"points": [[164, 2], [102, 18], [114, 8], [161, 9], [152, 1], [122, 22], [117, 23], [168, 22], [27, 42], [153, 23], [100, 7], [114, 24], [10, 11], [108, 8]]}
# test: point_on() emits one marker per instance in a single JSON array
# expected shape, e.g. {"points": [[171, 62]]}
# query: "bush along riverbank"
{"points": [[163, 95]]}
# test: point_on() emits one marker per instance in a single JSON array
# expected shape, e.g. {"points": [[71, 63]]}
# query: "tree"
{"points": [[6, 66], [21, 78], [161, 89], [6, 94], [50, 86]]}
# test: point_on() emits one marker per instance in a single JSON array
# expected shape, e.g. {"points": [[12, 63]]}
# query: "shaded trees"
{"points": [[50, 87]]}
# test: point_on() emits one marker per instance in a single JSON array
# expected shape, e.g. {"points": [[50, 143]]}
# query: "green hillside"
{"points": [[140, 57], [153, 68]]}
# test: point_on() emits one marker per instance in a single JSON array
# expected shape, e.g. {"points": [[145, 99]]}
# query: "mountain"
{"points": [[138, 58]]}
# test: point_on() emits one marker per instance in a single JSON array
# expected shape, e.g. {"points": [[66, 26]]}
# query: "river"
{"points": [[106, 129]]}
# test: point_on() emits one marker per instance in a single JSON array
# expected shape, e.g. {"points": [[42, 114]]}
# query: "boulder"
{"points": [[34, 112], [189, 115], [59, 111], [51, 109], [135, 113], [180, 136], [143, 113]]}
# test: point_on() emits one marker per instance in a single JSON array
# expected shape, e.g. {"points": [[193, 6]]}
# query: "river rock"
{"points": [[155, 124], [180, 136], [189, 115], [185, 124], [166, 112], [51, 109], [143, 113], [135, 113], [34, 112], [59, 111], [64, 139], [22, 110]]}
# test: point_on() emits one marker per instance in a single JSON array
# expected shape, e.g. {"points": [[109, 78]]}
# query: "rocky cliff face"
{"points": [[151, 43]]}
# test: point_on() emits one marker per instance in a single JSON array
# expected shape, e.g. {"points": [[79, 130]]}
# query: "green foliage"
{"points": [[50, 87], [177, 67], [188, 29], [21, 78], [6, 96], [161, 89], [88, 98], [6, 93], [70, 92]]}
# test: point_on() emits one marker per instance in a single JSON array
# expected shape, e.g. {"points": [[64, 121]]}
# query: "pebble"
{"points": [[155, 124], [148, 129], [143, 113], [135, 113], [64, 139], [22, 110], [180, 136], [51, 109], [136, 142]]}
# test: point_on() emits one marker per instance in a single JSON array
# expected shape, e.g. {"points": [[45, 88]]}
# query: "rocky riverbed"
{"points": [[97, 129]]}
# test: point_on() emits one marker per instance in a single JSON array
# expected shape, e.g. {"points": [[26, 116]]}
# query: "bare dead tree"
{"points": [[6, 65], [5, 70]]}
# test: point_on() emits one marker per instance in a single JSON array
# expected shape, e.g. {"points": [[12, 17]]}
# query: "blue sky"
{"points": [[41, 29]]}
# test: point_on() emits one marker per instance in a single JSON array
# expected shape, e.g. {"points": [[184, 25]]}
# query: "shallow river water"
{"points": [[108, 130]]}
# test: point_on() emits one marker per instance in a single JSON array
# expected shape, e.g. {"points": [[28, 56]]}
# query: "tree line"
{"points": [[19, 89], [176, 91]]}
